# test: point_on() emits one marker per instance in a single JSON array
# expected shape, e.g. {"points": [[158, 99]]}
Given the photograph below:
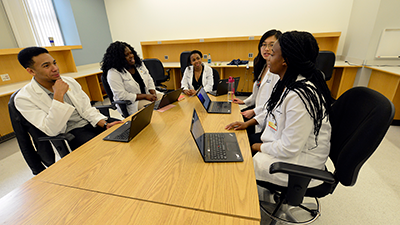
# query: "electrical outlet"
{"points": [[250, 55], [205, 56], [5, 77], [166, 57]]}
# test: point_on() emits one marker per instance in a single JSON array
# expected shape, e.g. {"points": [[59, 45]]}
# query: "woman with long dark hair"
{"points": [[128, 77], [264, 80], [297, 128]]}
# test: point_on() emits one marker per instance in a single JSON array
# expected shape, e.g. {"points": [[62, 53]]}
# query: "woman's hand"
{"points": [[236, 126], [256, 147], [238, 101], [248, 113], [150, 97], [113, 123], [189, 92]]}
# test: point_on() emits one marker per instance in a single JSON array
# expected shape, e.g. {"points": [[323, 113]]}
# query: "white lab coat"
{"points": [[124, 87], [290, 138], [51, 116], [208, 79], [260, 96]]}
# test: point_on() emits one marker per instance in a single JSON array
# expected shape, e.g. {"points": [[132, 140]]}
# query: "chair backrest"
{"points": [[107, 88], [156, 70], [360, 119], [326, 63], [184, 60], [216, 79], [110, 95], [24, 131]]}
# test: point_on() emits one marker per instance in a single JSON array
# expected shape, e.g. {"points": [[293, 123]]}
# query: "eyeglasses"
{"points": [[270, 45]]}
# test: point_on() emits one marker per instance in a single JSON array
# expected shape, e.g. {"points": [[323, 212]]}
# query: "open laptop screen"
{"points": [[198, 132], [203, 97]]}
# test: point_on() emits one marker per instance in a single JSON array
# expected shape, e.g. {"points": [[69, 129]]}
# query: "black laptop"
{"points": [[215, 147], [168, 98], [222, 87], [130, 129], [213, 106]]}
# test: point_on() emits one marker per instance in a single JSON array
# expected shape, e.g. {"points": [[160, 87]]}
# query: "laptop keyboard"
{"points": [[123, 136], [217, 107], [217, 146]]}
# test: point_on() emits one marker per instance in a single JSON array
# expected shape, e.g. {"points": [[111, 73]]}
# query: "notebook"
{"points": [[222, 87], [213, 106], [215, 147], [168, 98], [127, 131]]}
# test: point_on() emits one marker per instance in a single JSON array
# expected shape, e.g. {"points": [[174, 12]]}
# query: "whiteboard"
{"points": [[389, 45]]}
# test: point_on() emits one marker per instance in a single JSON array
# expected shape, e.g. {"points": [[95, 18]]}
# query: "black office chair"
{"points": [[216, 79], [156, 70], [360, 119], [184, 60], [326, 63], [121, 103], [43, 156]]}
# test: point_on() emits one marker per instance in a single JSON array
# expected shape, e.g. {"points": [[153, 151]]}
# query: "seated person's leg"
{"points": [[83, 135], [255, 138]]}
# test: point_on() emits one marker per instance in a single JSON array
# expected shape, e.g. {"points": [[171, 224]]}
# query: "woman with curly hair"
{"points": [[297, 128], [128, 77]]}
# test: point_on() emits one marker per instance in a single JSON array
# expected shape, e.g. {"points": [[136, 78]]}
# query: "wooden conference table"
{"points": [[159, 172]]}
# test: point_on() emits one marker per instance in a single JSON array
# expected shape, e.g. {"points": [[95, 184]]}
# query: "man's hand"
{"points": [[59, 90]]}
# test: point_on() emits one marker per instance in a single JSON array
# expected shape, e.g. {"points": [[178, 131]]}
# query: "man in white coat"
{"points": [[56, 104]]}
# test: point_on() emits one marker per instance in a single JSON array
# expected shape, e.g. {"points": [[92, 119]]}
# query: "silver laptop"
{"points": [[127, 131], [222, 87], [215, 147], [213, 106]]}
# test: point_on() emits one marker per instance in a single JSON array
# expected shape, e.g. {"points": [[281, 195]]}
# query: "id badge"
{"points": [[272, 125]]}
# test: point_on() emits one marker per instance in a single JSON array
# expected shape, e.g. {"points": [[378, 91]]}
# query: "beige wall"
{"points": [[135, 21]]}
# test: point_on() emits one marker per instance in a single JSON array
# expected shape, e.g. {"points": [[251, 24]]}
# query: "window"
{"points": [[44, 22]]}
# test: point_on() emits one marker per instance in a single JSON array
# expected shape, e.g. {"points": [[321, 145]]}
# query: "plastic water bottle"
{"points": [[231, 89], [209, 58]]}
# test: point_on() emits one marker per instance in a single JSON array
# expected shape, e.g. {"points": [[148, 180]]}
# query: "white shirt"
{"points": [[207, 81], [289, 137], [260, 96], [124, 87]]}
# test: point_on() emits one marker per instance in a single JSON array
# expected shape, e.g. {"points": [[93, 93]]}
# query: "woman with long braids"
{"points": [[264, 81], [128, 77], [297, 128]]}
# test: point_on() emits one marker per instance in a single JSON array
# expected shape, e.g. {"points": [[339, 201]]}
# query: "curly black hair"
{"points": [[115, 57], [300, 51]]}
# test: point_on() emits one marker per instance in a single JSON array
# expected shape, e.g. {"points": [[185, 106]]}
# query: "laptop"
{"points": [[215, 147], [168, 98], [127, 131], [213, 106], [222, 87]]}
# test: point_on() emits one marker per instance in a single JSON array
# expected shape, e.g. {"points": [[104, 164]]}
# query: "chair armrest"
{"points": [[302, 171], [122, 102], [60, 137]]}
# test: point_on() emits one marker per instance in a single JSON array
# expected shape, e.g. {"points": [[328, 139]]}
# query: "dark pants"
{"points": [[83, 135], [254, 138], [252, 129]]}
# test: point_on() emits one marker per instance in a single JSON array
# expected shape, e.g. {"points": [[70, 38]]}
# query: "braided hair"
{"points": [[300, 50], [259, 61], [115, 57]]}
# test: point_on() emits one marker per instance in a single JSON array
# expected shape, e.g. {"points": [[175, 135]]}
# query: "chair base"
{"points": [[304, 214]]}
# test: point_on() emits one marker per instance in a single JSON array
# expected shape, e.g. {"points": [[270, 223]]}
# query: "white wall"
{"points": [[148, 20]]}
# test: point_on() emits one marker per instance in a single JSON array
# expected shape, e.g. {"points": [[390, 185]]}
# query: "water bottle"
{"points": [[209, 58], [231, 89]]}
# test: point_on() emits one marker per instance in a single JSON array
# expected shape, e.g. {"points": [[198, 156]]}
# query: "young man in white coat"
{"points": [[56, 104]]}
